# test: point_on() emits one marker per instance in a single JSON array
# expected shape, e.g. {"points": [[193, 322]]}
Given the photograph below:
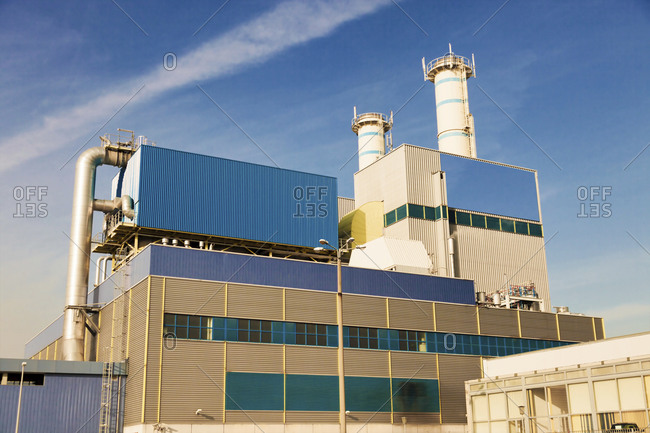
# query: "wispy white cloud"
{"points": [[289, 24]]}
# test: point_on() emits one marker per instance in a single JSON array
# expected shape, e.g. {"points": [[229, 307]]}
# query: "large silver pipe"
{"points": [[80, 236], [124, 203]]}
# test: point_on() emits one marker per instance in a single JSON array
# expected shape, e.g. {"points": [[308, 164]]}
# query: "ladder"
{"points": [[107, 397]]}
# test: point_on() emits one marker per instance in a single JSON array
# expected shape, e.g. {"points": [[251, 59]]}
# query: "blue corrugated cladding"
{"points": [[194, 193], [64, 403], [239, 268], [491, 188]]}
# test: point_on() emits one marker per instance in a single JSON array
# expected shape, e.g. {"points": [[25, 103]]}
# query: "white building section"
{"points": [[449, 73], [371, 128], [400, 255]]}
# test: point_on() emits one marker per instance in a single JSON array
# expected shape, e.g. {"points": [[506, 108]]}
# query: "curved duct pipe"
{"points": [[80, 235], [124, 203], [98, 272]]}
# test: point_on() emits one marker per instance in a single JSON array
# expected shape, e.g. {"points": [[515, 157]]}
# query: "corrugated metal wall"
{"points": [[520, 257], [600, 331], [310, 306], [345, 206], [63, 404], [192, 378], [135, 353], [195, 297], [255, 302], [254, 358], [384, 180], [311, 360], [499, 322], [576, 328], [420, 165], [106, 328], [267, 271], [538, 325], [154, 350], [234, 199], [366, 363], [456, 318], [454, 371], [364, 311], [414, 315]]}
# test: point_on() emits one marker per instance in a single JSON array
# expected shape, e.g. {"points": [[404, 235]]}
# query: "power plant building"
{"points": [[227, 318]]}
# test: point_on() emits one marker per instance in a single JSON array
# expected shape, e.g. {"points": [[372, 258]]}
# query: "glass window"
{"points": [[463, 218], [416, 211], [515, 404], [535, 230], [478, 221], [400, 212], [429, 213], [521, 227], [452, 216], [630, 391], [480, 408], [390, 218], [557, 400], [170, 319], [498, 406], [507, 225], [492, 223], [444, 211], [437, 212]]}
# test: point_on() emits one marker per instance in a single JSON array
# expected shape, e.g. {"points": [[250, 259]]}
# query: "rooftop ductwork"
{"points": [[115, 154]]}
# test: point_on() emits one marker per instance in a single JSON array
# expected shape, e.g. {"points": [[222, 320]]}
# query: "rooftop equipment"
{"points": [[449, 73]]}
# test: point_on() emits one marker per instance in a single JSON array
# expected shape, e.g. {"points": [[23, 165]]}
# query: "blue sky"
{"points": [[571, 74]]}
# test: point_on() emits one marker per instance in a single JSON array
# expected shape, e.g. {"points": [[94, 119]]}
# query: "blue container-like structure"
{"points": [[192, 193]]}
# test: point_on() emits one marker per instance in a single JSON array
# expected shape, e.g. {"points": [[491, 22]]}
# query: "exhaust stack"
{"points": [[83, 204]]}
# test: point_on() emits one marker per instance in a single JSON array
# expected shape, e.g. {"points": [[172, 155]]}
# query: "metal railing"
{"points": [[448, 60]]}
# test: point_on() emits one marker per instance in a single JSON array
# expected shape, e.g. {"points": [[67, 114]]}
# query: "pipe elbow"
{"points": [[127, 207]]}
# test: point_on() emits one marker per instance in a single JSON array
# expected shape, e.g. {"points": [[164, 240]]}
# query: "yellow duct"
{"points": [[363, 224]]}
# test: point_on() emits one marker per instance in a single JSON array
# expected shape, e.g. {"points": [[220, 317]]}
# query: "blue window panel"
{"points": [[393, 337], [254, 391], [437, 213], [429, 213], [535, 230], [312, 393], [367, 394], [416, 211], [415, 395], [401, 212], [290, 333]]}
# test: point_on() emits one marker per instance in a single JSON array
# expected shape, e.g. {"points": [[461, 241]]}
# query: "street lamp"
{"points": [[20, 394], [339, 323]]}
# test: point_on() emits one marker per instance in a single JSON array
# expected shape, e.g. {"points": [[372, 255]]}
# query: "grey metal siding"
{"points": [[195, 297], [312, 417], [233, 199], [311, 360], [500, 321], [133, 394], [254, 302], [364, 311], [598, 323], [192, 378], [254, 358], [154, 350], [521, 257], [408, 314], [414, 365], [454, 371], [345, 206], [456, 318], [366, 363], [576, 328], [254, 416], [105, 333], [310, 306], [538, 325]]}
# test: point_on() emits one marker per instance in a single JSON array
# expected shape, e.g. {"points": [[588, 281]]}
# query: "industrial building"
{"points": [[586, 387], [230, 316]]}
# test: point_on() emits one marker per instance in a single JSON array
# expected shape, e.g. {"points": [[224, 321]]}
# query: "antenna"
{"points": [[424, 69], [355, 111], [473, 66], [450, 52]]}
